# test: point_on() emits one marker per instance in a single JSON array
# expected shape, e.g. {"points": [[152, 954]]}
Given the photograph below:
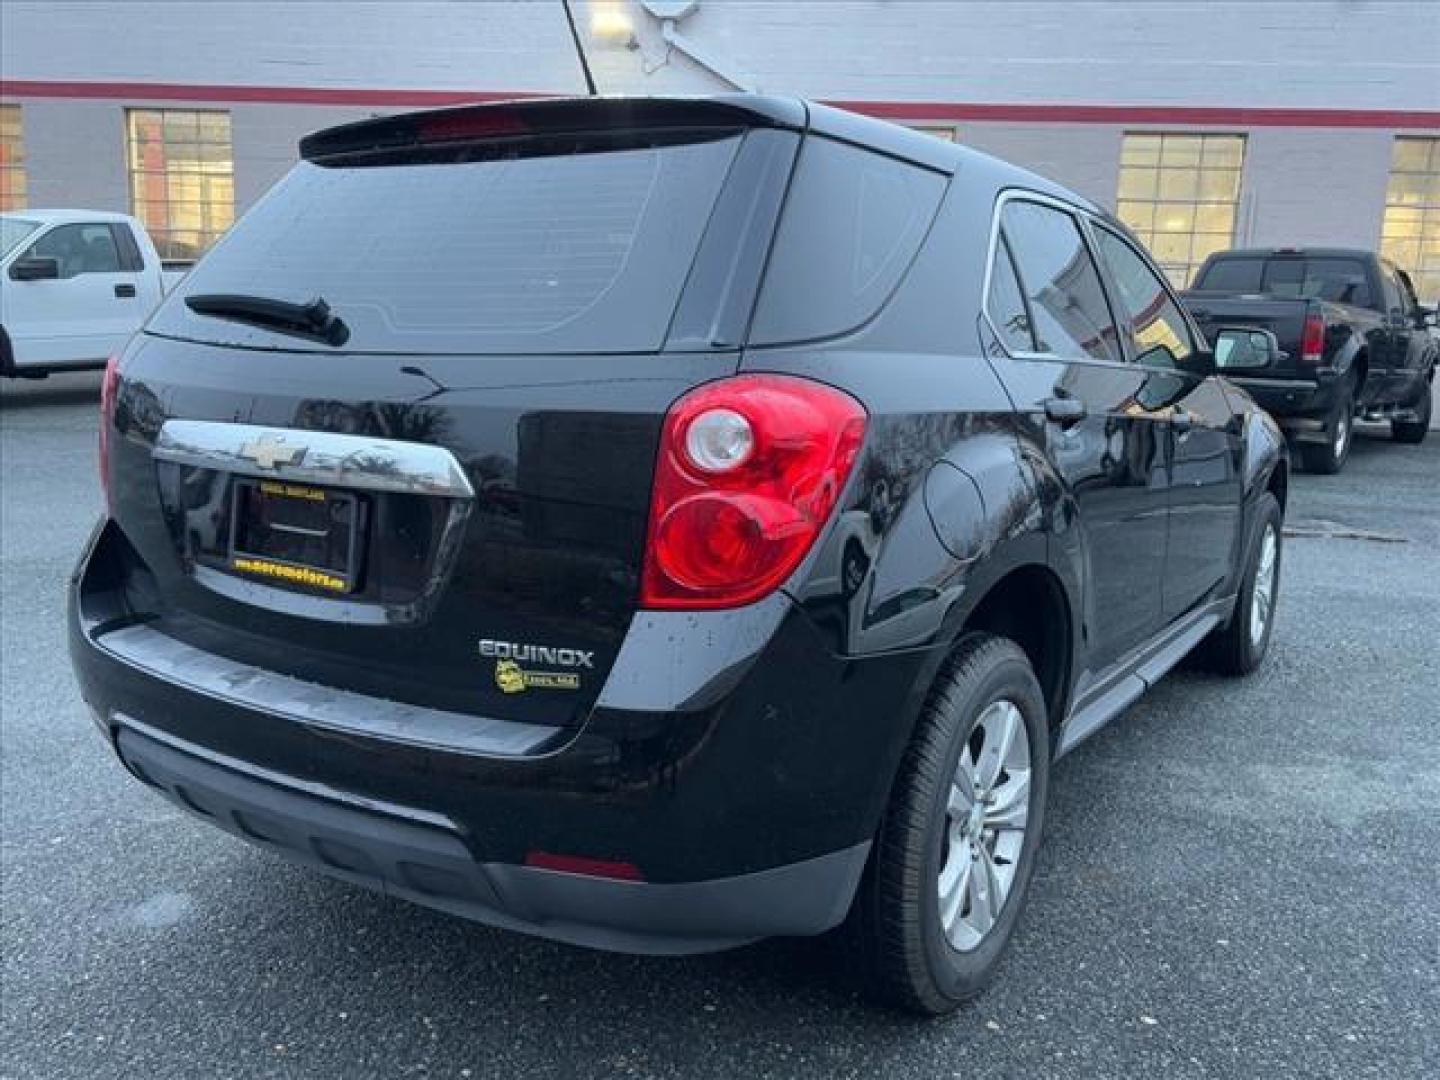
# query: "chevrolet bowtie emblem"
{"points": [[270, 451]]}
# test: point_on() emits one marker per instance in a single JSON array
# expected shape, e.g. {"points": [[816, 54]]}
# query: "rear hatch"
{"points": [[396, 433]]}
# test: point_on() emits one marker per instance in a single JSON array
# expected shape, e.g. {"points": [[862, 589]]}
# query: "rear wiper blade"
{"points": [[312, 320]]}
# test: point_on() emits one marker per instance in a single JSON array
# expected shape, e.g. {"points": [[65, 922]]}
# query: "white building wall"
{"points": [[920, 59], [75, 155], [1353, 54], [1083, 157], [1314, 186]]}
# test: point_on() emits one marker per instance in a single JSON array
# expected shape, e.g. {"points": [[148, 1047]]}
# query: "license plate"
{"points": [[294, 534]]}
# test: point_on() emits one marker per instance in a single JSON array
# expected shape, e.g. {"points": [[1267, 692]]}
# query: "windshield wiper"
{"points": [[312, 320]]}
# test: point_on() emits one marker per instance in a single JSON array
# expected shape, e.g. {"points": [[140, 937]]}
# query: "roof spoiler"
{"points": [[547, 116]]}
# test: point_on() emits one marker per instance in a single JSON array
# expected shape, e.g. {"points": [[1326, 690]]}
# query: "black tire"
{"points": [[1234, 649], [1330, 456], [1413, 431], [895, 925]]}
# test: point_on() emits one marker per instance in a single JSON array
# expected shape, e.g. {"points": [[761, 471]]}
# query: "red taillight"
{"points": [[749, 470], [108, 388], [1312, 344]]}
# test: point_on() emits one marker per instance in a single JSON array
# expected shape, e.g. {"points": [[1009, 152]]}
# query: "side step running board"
{"points": [[1098, 712]]}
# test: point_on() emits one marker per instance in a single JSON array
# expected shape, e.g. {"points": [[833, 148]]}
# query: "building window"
{"points": [[182, 177], [1179, 194], [1410, 234], [12, 159]]}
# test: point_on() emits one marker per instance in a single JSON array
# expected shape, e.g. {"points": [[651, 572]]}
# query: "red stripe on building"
{"points": [[917, 111], [274, 95], [1187, 115]]}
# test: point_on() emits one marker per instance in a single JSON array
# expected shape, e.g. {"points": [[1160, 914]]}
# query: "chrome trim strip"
{"points": [[1263, 383], [147, 649], [318, 457]]}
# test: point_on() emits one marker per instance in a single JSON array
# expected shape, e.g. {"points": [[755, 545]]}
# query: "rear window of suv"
{"points": [[1332, 278], [583, 252]]}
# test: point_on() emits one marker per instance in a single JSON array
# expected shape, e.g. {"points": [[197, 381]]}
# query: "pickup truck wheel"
{"points": [[1413, 431], [956, 848], [1329, 457], [1239, 647]]}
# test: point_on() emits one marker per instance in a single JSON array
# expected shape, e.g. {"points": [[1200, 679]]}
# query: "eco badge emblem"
{"points": [[511, 678]]}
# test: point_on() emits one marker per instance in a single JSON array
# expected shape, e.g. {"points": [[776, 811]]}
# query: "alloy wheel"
{"points": [[1262, 599], [986, 813]]}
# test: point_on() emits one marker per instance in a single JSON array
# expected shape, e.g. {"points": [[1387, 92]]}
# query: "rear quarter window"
{"points": [[853, 222]]}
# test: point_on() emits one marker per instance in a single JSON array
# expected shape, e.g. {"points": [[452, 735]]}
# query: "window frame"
{"points": [[16, 168], [164, 235], [1081, 218], [1427, 209], [1191, 265]]}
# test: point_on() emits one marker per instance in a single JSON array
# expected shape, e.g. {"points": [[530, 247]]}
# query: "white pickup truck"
{"points": [[74, 285]]}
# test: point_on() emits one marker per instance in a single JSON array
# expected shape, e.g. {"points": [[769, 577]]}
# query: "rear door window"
{"points": [[1072, 319], [573, 252], [853, 222]]}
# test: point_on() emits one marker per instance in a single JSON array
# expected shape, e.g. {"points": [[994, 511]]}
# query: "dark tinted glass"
{"points": [[1389, 283], [569, 253], [853, 222], [79, 249], [1161, 335], [1343, 281], [1231, 275], [1071, 316], [1005, 304]]}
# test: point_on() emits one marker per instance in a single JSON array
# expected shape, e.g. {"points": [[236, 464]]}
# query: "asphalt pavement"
{"points": [[1240, 878]]}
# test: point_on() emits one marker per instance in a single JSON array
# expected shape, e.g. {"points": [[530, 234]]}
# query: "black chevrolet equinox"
{"points": [[662, 524]]}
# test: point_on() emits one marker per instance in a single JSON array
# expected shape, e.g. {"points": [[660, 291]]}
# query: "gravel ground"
{"points": [[1239, 880]]}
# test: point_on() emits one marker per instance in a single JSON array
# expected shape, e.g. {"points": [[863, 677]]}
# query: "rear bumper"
{"points": [[429, 863], [735, 762], [1296, 404]]}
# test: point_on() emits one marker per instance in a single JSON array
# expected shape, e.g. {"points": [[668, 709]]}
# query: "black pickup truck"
{"points": [[1353, 340]]}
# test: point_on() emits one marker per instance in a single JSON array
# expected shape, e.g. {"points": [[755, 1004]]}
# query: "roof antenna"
{"points": [[579, 49]]}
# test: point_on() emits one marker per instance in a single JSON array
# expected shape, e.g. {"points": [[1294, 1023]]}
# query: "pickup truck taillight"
{"points": [[108, 388], [1312, 341], [750, 468]]}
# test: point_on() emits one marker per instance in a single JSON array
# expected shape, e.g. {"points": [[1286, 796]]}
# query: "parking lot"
{"points": [[1239, 879]]}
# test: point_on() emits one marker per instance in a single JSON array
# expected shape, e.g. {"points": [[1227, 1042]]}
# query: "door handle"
{"points": [[125, 291], [1182, 420], [1065, 411]]}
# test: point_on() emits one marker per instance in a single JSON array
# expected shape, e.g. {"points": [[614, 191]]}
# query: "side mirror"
{"points": [[35, 268], [1245, 349]]}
